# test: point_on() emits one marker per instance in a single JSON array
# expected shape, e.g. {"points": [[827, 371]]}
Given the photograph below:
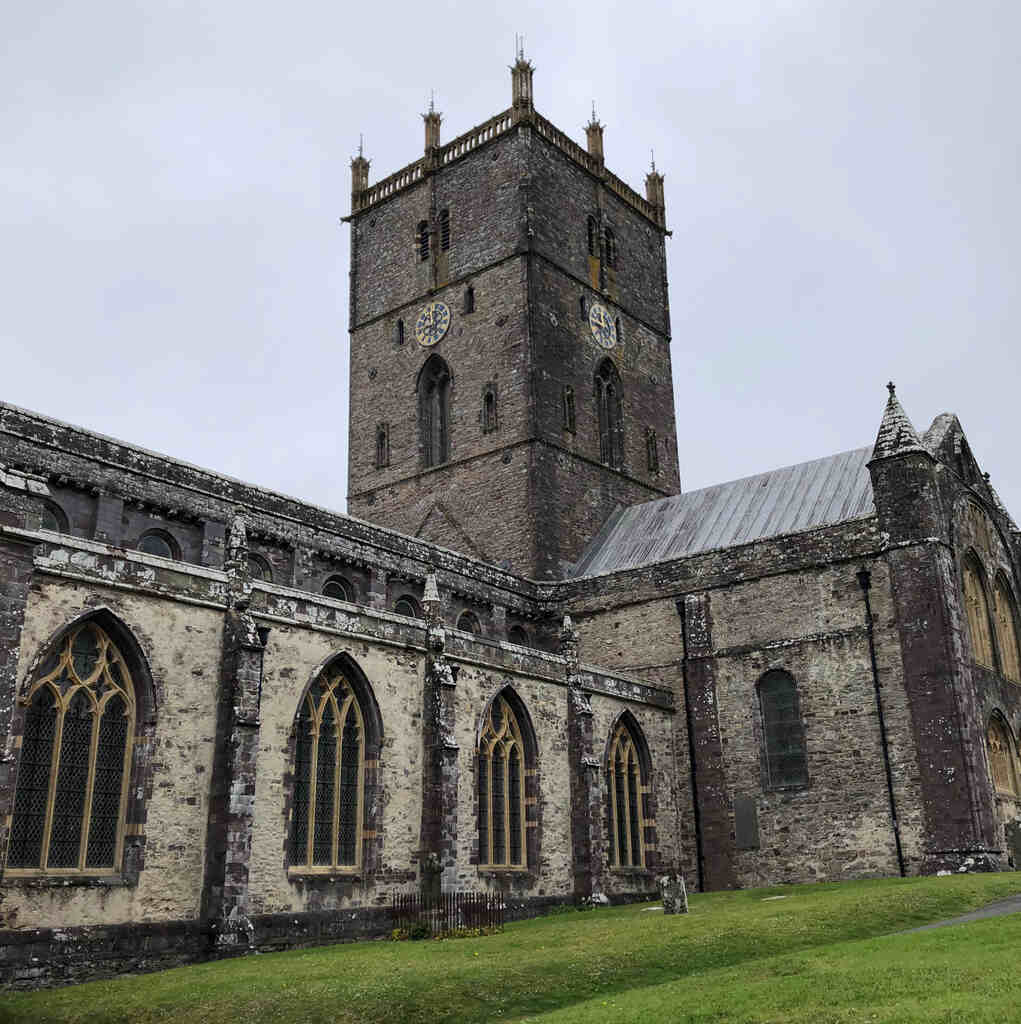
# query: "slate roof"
{"points": [[812, 494]]}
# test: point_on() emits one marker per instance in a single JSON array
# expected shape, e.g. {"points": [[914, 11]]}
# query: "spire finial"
{"points": [[652, 153], [361, 146], [593, 111], [519, 47], [432, 101], [892, 388]]}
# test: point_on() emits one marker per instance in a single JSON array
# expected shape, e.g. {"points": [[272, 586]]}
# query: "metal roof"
{"points": [[811, 494]]}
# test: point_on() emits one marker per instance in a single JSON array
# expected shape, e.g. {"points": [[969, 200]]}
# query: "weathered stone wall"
{"points": [[182, 643]]}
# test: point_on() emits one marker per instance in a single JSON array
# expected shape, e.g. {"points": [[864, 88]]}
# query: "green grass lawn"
{"points": [[815, 955]]}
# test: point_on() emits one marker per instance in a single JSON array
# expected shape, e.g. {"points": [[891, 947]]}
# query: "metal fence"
{"points": [[447, 914]]}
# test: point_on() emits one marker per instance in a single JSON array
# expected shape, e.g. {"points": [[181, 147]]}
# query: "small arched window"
{"points": [[469, 299], [382, 445], [501, 788], [489, 420], [611, 249], [593, 237], [399, 332], [625, 790], [619, 333], [444, 230], [977, 609], [433, 410], [567, 402], [652, 450], [329, 777], [608, 407], [407, 605], [782, 731], [156, 542], [258, 568], [339, 589], [469, 622], [72, 789], [1005, 616], [583, 308], [422, 239], [518, 635], [52, 518], [1002, 759]]}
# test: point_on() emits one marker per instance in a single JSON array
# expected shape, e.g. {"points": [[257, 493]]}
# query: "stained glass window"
{"points": [[329, 765], [501, 786], [76, 749], [783, 733], [625, 788]]}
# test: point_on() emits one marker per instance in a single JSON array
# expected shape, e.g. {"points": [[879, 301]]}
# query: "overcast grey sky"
{"points": [[842, 186]]}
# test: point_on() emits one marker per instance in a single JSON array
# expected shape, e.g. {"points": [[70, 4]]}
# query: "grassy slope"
{"points": [[539, 966]]}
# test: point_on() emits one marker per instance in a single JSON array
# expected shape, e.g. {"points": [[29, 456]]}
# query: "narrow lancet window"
{"points": [[608, 408], [422, 239], [382, 445], [625, 789], [501, 789], [433, 411]]}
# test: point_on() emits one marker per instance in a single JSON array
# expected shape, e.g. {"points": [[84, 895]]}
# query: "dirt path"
{"points": [[1011, 905]]}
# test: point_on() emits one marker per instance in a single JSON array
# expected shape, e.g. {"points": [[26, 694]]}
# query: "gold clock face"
{"points": [[602, 326], [432, 323]]}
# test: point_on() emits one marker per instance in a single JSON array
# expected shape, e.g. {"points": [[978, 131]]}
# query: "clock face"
{"points": [[601, 323], [432, 324]]}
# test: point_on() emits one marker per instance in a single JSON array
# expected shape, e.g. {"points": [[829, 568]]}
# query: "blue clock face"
{"points": [[432, 324], [602, 326]]}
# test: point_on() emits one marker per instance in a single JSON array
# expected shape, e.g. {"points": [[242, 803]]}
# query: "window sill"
{"points": [[326, 874], [37, 880], [631, 872], [500, 870]]}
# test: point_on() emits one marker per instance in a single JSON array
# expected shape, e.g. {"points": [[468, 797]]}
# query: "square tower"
{"points": [[510, 342]]}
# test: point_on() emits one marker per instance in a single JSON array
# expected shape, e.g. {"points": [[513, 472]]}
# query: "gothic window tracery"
{"points": [[501, 788], [977, 610], [625, 789], [329, 777], [72, 789], [1005, 617], [608, 408], [433, 407], [1002, 758], [782, 730]]}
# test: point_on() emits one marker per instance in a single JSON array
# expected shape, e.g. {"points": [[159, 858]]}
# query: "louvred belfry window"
{"points": [[625, 789], [329, 769], [71, 795], [501, 788]]}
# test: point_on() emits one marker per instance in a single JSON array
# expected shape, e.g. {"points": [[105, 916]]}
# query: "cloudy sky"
{"points": [[842, 186]]}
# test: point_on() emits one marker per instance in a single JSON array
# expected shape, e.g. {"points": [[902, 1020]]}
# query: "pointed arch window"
{"points": [[976, 607], [382, 445], [433, 411], [329, 778], [593, 237], [783, 733], [489, 418], [1005, 617], [625, 789], [1002, 759], [608, 408], [422, 239], [501, 789], [567, 407], [652, 450], [72, 789], [469, 299]]}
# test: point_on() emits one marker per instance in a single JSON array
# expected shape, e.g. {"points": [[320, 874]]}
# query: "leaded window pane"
{"points": [[484, 854], [514, 806], [33, 781], [107, 785], [634, 809], [783, 731], [72, 781], [326, 768], [302, 786], [499, 817], [349, 767], [85, 653], [620, 785]]}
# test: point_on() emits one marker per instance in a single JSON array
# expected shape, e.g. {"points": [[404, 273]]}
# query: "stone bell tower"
{"points": [[510, 341]]}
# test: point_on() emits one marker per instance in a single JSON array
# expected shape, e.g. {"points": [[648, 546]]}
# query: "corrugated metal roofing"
{"points": [[811, 494]]}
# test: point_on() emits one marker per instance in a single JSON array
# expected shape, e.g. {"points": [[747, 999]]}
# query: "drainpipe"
{"points": [[692, 759], [865, 581]]}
